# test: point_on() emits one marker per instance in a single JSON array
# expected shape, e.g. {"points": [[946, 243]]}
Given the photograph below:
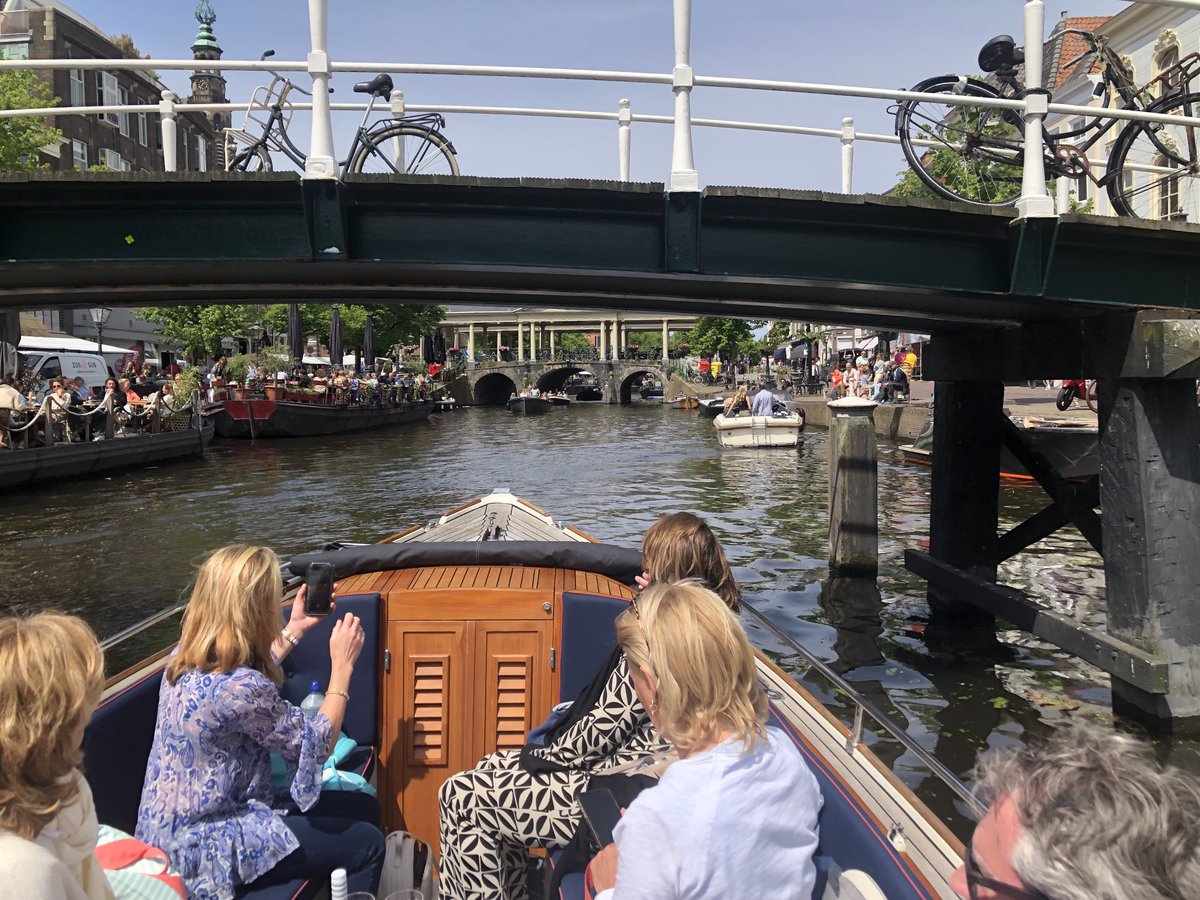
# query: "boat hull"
{"points": [[685, 403], [1072, 448], [241, 419], [713, 407], [759, 431], [529, 406], [68, 462], [589, 395]]}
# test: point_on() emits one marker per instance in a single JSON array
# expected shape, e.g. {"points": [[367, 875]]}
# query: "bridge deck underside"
{"points": [[83, 239]]}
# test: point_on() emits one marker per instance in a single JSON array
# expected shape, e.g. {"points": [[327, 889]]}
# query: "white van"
{"points": [[50, 364]]}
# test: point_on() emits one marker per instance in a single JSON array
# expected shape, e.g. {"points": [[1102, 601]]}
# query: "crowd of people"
{"points": [[715, 801], [342, 386], [873, 377]]}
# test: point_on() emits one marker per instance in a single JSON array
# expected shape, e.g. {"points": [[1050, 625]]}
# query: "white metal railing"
{"points": [[321, 161]]}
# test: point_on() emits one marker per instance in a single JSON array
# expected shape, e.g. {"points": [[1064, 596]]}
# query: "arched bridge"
{"points": [[494, 384]]}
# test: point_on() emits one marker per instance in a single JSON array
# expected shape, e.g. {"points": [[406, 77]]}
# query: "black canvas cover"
{"points": [[619, 563]]}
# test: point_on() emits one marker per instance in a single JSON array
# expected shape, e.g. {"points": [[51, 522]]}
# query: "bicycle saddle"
{"points": [[381, 86], [1000, 53]]}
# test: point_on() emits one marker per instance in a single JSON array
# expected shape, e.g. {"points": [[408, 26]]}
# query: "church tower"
{"points": [[208, 86]]}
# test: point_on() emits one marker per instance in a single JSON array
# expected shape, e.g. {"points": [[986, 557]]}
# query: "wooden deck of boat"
{"points": [[544, 582]]}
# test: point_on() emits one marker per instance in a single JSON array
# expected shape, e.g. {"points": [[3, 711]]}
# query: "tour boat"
{"points": [[744, 430], [559, 399], [529, 406], [82, 459], [1070, 445], [476, 625], [589, 394], [309, 418]]}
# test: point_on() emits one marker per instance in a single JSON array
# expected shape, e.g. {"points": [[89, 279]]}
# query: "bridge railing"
{"points": [[683, 176]]}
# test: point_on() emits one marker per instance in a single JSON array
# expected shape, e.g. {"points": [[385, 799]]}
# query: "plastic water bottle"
{"points": [[311, 704], [337, 885]]}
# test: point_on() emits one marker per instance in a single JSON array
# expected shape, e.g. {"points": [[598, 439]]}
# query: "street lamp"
{"points": [[256, 332], [100, 316]]}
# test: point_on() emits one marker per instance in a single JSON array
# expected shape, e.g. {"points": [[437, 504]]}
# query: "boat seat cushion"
{"points": [[297, 889], [309, 662], [589, 637]]}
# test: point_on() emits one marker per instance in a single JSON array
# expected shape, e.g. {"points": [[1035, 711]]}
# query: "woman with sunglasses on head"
{"points": [[736, 816], [514, 800]]}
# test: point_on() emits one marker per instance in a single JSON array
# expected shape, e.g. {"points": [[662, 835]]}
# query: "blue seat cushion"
{"points": [[306, 889], [309, 662], [588, 639]]}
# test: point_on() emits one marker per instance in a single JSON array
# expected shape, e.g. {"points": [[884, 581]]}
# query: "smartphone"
{"points": [[318, 599], [601, 812]]}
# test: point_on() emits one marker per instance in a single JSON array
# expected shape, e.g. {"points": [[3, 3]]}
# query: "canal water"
{"points": [[115, 550]]}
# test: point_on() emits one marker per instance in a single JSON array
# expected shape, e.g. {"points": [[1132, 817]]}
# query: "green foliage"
{"points": [[716, 335], [198, 329], [391, 324], [276, 358], [237, 368], [985, 176], [21, 138], [572, 342]]}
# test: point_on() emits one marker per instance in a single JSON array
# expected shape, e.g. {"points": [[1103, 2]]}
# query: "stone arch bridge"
{"points": [[494, 384]]}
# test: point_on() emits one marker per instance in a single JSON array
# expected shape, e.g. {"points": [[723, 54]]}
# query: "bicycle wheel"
{"points": [[253, 159], [401, 149], [1154, 168], [961, 152], [1089, 396]]}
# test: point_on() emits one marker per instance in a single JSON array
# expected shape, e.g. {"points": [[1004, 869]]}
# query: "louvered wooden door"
{"points": [[513, 693]]}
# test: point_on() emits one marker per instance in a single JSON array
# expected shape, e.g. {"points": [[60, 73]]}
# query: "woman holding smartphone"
{"points": [[207, 798]]}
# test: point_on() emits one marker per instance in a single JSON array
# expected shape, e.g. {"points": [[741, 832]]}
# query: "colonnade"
{"points": [[532, 336]]}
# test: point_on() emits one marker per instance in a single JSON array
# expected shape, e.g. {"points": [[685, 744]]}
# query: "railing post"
{"points": [[1062, 195], [683, 165], [624, 120], [847, 155], [1034, 200], [166, 121], [322, 161], [110, 417]]}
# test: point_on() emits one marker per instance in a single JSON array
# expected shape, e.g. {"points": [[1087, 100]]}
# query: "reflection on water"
{"points": [[117, 549]]}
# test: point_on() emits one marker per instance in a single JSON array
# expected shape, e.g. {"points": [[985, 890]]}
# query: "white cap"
{"points": [[337, 885]]}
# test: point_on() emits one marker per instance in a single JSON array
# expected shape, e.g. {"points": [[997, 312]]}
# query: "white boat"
{"points": [[779, 430], [476, 624]]}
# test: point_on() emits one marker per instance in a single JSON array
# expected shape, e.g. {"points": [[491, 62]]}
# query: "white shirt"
{"points": [[720, 824]]}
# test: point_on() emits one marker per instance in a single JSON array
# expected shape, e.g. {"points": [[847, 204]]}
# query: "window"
{"points": [[51, 368], [123, 118], [201, 153], [183, 163], [78, 92], [143, 129], [79, 155], [107, 95], [1081, 189], [1168, 193], [113, 160], [14, 50]]}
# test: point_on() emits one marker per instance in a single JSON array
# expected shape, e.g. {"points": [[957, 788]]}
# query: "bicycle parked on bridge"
{"points": [[975, 154], [409, 145]]}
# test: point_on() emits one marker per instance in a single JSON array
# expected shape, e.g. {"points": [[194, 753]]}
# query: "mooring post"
{"points": [[965, 487], [853, 487], [1150, 495]]}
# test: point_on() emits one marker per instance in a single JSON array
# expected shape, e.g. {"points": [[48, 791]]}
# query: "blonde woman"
{"points": [[207, 798], [737, 814], [53, 677], [737, 403]]}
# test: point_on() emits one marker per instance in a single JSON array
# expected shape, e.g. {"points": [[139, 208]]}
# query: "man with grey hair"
{"points": [[1087, 815]]}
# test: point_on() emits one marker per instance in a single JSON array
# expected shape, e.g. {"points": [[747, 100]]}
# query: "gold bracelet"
{"points": [[339, 693], [289, 637]]}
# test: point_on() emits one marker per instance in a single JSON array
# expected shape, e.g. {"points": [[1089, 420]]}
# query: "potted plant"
{"points": [[236, 370], [270, 361]]}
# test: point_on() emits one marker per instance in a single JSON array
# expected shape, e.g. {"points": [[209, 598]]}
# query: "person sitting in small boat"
{"points": [[736, 816], [516, 799], [1087, 814], [764, 402], [737, 403], [207, 799], [53, 678]]}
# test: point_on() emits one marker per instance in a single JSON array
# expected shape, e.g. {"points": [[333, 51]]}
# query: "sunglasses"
{"points": [[976, 880]]}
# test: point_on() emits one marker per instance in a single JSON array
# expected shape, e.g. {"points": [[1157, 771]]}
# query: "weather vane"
{"points": [[204, 13]]}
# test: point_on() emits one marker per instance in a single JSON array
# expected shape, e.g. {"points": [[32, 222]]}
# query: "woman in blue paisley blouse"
{"points": [[207, 799]]}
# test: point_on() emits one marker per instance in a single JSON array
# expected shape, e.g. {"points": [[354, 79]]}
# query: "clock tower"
{"points": [[208, 86]]}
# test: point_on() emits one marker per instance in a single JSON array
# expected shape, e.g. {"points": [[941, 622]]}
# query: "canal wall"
{"points": [[897, 421]]}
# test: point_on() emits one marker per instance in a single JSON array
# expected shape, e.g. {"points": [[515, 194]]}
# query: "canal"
{"points": [[115, 550]]}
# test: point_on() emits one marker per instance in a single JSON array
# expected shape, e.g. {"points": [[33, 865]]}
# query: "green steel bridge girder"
{"points": [[82, 239]]}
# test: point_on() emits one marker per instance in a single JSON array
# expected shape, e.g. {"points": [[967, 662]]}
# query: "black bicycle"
{"points": [[409, 145], [975, 154]]}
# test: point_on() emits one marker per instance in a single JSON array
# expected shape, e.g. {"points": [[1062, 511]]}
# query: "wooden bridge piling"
{"points": [[853, 488]]}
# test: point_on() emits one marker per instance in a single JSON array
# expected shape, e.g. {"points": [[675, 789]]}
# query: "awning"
{"points": [[910, 337], [66, 344], [869, 343]]}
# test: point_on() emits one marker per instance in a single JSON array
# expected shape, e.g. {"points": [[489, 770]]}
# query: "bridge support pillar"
{"points": [[471, 344], [666, 348], [1150, 494]]}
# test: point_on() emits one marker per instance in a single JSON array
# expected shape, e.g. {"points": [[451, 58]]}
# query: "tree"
{"points": [[21, 138], [199, 329], [573, 342], [711, 335], [391, 324]]}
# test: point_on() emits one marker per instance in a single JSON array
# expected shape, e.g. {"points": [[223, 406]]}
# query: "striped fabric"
{"points": [[135, 870]]}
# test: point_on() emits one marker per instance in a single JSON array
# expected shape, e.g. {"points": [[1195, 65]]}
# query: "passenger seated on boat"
{"points": [[1088, 813], [764, 402], [513, 800], [737, 403], [737, 814], [207, 798], [53, 678]]}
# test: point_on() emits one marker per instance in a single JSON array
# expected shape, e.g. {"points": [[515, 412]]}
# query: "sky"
{"points": [[875, 43]]}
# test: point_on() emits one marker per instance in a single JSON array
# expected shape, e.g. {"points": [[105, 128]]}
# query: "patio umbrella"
{"points": [[369, 342], [10, 339], [335, 338], [295, 334]]}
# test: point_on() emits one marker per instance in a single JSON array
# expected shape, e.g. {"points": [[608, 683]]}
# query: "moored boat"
{"points": [[684, 402], [712, 407], [1070, 445], [651, 393], [529, 406], [291, 419], [589, 394], [476, 624], [744, 430]]}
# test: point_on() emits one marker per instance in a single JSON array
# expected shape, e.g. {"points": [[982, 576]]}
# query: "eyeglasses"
{"points": [[976, 880]]}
